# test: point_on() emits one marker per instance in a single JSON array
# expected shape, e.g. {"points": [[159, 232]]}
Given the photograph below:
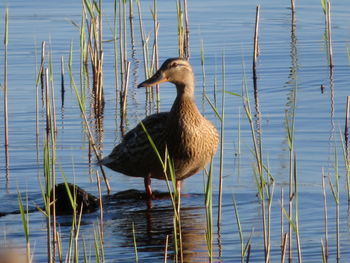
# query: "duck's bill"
{"points": [[154, 80]]}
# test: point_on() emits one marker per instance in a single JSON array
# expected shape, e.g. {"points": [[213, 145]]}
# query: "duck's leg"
{"points": [[178, 196], [148, 188], [178, 186]]}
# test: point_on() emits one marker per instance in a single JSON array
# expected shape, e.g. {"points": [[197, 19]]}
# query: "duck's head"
{"points": [[174, 70]]}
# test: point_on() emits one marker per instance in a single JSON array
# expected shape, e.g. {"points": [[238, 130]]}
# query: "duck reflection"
{"points": [[152, 226]]}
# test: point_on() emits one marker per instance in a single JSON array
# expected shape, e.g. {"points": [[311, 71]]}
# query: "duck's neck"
{"points": [[185, 90], [185, 100]]}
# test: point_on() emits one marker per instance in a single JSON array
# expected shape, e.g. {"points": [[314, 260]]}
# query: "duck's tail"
{"points": [[105, 161]]}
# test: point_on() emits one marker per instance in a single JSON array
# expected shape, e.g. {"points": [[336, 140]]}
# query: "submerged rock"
{"points": [[83, 198]]}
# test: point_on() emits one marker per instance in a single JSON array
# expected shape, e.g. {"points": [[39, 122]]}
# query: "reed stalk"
{"points": [[296, 215], [83, 72], [37, 118], [221, 141], [125, 46], [53, 137], [155, 49], [284, 247], [42, 73], [289, 124], [265, 186], [132, 34], [121, 44], [203, 67], [209, 212], [101, 205], [215, 83], [115, 45], [166, 249], [256, 152], [25, 223], [324, 260], [329, 35], [135, 243], [282, 234], [245, 247], [335, 192], [292, 6], [325, 212], [148, 68], [270, 188], [291, 193], [72, 197], [123, 98], [49, 162], [47, 197], [256, 37], [180, 29], [187, 31], [144, 42], [59, 248], [131, 15], [5, 86], [239, 133]]}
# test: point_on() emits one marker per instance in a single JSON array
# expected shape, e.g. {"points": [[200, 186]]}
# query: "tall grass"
{"points": [[150, 55], [25, 223], [245, 246], [263, 178], [182, 29], [92, 12], [82, 111]]}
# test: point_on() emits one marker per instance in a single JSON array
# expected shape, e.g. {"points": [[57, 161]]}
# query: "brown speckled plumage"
{"points": [[190, 138]]}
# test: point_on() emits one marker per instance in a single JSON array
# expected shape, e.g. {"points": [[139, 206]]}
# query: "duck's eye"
{"points": [[174, 65]]}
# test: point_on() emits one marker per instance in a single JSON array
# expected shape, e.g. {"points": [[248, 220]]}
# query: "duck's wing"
{"points": [[134, 155]]}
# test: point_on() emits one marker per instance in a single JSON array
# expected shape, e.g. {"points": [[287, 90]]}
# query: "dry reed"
{"points": [[5, 87]]}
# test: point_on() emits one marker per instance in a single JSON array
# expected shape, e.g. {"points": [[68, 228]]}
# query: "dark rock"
{"points": [[83, 198]]}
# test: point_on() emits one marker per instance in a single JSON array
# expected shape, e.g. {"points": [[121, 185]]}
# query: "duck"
{"points": [[184, 133]]}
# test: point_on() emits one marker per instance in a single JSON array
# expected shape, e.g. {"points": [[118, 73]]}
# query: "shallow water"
{"points": [[287, 61]]}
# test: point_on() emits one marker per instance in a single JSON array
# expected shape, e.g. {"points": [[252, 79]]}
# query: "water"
{"points": [[286, 61]]}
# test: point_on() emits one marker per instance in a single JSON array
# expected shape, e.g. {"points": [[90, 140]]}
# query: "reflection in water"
{"points": [[62, 82], [290, 116], [292, 76], [257, 110], [292, 80], [255, 84], [153, 226], [331, 89]]}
